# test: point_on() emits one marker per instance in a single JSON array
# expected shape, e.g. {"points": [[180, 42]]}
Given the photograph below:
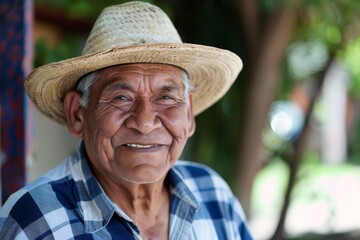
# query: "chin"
{"points": [[143, 179]]}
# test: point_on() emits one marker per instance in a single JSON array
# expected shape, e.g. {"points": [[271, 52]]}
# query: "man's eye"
{"points": [[121, 97], [165, 97]]}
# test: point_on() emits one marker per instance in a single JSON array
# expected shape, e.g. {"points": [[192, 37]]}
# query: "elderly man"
{"points": [[131, 97]]}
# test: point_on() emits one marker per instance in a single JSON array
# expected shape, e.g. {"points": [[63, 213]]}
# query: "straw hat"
{"points": [[135, 32]]}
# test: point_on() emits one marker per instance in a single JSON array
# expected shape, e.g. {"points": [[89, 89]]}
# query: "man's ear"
{"points": [[74, 113], [191, 117]]}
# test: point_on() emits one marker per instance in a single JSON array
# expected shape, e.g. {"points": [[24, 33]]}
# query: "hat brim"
{"points": [[212, 71]]}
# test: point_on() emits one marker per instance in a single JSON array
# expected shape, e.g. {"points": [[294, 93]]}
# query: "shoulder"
{"points": [[32, 203], [193, 169], [40, 186], [200, 177], [215, 197]]}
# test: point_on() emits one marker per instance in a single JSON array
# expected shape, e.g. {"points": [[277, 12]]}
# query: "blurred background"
{"points": [[286, 137]]}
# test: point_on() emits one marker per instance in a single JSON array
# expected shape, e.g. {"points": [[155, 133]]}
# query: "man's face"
{"points": [[137, 122]]}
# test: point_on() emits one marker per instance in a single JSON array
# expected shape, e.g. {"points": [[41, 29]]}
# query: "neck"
{"points": [[140, 197], [135, 199], [148, 205]]}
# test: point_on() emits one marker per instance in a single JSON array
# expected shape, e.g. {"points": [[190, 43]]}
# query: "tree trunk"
{"points": [[263, 85]]}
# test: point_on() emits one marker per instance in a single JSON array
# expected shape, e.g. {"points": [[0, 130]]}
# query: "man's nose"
{"points": [[143, 117]]}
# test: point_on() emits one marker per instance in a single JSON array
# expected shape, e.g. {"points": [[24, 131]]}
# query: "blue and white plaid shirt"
{"points": [[69, 203]]}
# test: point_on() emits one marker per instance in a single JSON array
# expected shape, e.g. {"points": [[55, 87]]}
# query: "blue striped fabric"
{"points": [[69, 203]]}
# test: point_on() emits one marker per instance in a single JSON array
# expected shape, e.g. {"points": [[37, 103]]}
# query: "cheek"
{"points": [[102, 125], [106, 118], [177, 122]]}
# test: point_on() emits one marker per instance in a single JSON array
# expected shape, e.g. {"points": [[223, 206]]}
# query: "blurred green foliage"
{"points": [[350, 57], [88, 9], [68, 48]]}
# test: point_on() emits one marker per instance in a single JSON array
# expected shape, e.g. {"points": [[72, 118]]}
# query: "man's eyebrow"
{"points": [[124, 86], [118, 86], [170, 88]]}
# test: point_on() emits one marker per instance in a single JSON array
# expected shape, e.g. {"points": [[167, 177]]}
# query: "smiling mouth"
{"points": [[139, 146]]}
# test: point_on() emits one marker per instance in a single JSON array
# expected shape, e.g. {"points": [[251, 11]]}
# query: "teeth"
{"points": [[140, 146]]}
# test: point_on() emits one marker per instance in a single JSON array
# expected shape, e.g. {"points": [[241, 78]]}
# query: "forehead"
{"points": [[130, 73]]}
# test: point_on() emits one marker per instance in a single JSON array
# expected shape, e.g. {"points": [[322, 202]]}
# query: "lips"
{"points": [[140, 146]]}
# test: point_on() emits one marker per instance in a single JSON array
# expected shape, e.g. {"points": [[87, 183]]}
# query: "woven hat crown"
{"points": [[130, 24]]}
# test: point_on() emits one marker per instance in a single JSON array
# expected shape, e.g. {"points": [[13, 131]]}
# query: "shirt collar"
{"points": [[94, 205], [180, 189]]}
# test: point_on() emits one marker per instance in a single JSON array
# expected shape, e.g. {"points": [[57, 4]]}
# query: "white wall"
{"points": [[52, 144]]}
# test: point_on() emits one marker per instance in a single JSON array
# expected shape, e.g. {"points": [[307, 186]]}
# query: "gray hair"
{"points": [[85, 83], [83, 86]]}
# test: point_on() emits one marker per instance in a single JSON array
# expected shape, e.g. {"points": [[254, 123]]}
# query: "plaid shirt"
{"points": [[69, 203]]}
